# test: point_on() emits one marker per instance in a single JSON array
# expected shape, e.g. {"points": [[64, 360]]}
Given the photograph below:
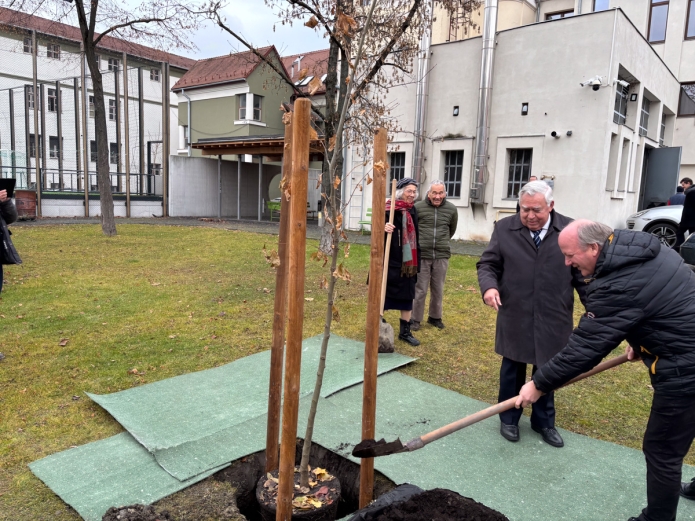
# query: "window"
{"points": [[397, 170], [53, 148], [690, 21], [185, 136], [52, 101], [453, 171], [156, 168], [113, 153], [154, 74], [242, 106], [32, 145], [28, 47], [559, 14], [663, 131], [257, 100], [620, 110], [658, 15], [93, 151], [686, 103], [91, 106], [30, 96], [644, 117], [519, 170], [114, 64], [53, 51], [113, 115], [601, 5]]}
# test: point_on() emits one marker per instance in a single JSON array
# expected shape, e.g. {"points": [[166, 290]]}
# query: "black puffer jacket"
{"points": [[642, 292]]}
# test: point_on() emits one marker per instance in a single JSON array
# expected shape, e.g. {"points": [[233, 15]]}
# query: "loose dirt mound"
{"points": [[439, 505], [135, 513]]}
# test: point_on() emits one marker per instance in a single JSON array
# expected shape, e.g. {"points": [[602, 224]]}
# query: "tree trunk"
{"points": [[108, 223]]}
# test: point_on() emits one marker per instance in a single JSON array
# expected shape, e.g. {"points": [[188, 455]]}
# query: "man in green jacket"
{"points": [[437, 220]]}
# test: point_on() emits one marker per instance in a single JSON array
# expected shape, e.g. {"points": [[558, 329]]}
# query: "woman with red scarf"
{"points": [[404, 256]]}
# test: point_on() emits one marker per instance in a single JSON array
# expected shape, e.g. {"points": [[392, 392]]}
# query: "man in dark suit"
{"points": [[687, 223], [523, 276]]}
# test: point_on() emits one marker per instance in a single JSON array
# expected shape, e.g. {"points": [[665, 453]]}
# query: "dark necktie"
{"points": [[537, 238]]}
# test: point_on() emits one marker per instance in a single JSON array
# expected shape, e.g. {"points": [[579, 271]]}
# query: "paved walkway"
{"points": [[270, 228]]}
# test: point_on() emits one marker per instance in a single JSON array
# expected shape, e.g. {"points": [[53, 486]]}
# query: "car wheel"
{"points": [[665, 232]]}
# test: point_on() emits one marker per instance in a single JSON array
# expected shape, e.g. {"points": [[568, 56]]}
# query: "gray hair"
{"points": [[537, 187], [399, 192], [593, 233], [437, 182]]}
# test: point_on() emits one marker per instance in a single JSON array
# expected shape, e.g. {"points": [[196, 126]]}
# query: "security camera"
{"points": [[623, 83], [595, 83]]}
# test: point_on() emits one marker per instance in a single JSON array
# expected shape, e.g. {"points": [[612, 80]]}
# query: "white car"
{"points": [[661, 221]]}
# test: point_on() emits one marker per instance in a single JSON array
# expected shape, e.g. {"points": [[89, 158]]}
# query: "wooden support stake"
{"points": [[371, 346], [297, 256], [277, 346]]}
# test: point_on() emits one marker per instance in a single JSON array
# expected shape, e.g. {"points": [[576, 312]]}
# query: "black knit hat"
{"points": [[405, 182]]}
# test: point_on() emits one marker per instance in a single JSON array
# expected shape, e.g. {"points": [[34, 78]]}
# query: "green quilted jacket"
{"points": [[437, 226]]}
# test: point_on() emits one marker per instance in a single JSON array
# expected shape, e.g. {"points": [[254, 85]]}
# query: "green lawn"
{"points": [[90, 313]]}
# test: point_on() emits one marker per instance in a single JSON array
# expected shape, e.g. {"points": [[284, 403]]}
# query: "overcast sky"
{"points": [[254, 21]]}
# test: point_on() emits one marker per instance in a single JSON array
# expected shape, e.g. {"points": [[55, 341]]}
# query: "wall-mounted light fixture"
{"points": [[524, 109], [633, 96], [569, 133], [555, 135], [456, 110]]}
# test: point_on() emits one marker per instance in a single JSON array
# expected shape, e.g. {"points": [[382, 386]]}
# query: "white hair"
{"points": [[537, 187], [399, 191], [437, 182], [593, 233]]}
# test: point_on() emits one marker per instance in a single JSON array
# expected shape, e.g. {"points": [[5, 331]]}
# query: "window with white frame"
{"points": [[93, 151], [156, 168], [28, 45], [453, 172], [658, 18], [30, 96], [113, 153], [53, 147], [397, 170], [91, 106], [53, 51], [32, 145], [242, 106], [644, 117], [662, 133], [52, 101], [114, 64], [185, 136], [113, 115], [620, 109], [154, 74], [519, 170], [257, 105], [559, 14]]}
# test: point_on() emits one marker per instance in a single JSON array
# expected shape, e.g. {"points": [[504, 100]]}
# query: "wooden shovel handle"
{"points": [[388, 248], [507, 404]]}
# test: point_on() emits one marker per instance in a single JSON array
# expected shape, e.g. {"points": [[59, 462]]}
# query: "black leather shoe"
{"points": [[415, 326], [550, 436], [688, 490], [509, 432], [436, 322]]}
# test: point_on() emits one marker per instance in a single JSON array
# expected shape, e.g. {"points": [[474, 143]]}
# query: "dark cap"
{"points": [[405, 182]]}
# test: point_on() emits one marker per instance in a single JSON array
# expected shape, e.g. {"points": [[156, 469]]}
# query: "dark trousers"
{"points": [[512, 378], [680, 235], [670, 432]]}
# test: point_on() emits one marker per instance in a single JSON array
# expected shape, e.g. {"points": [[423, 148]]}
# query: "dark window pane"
{"points": [[690, 24], [113, 153], [686, 104], [453, 172], [93, 151], [397, 170], [657, 27], [519, 170]]}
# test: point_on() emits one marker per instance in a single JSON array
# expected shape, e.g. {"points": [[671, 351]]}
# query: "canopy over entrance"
{"points": [[271, 147]]}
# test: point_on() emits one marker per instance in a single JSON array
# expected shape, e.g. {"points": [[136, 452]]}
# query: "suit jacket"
{"points": [[536, 290]]}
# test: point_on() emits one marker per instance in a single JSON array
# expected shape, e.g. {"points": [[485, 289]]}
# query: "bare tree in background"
{"points": [[160, 24]]}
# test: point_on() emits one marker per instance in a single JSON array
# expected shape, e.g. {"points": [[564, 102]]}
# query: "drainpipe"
{"points": [[482, 134], [421, 102], [190, 127]]}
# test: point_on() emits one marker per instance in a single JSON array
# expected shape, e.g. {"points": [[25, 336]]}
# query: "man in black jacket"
{"points": [[687, 222], [639, 291]]}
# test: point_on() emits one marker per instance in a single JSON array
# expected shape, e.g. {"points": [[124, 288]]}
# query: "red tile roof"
{"points": [[223, 69], [316, 63], [17, 19]]}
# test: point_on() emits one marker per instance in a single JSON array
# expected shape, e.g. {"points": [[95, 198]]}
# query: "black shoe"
{"points": [[509, 432], [550, 436], [415, 325], [436, 322], [406, 335], [688, 490]]}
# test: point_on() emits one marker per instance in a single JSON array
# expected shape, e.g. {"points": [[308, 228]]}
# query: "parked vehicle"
{"points": [[661, 221]]}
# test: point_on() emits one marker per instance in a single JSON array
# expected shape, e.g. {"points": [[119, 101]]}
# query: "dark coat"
{"points": [[438, 225], [398, 287], [643, 293], [688, 215], [536, 290]]}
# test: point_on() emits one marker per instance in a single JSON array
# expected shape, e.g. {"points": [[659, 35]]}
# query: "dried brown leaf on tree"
{"points": [[369, 179], [271, 258], [336, 182], [336, 314], [360, 186], [339, 221], [287, 118], [380, 166], [313, 22], [346, 24], [347, 81], [303, 73], [313, 135], [331, 144], [314, 85], [324, 283], [346, 249], [343, 235], [318, 182], [318, 255], [341, 272]]}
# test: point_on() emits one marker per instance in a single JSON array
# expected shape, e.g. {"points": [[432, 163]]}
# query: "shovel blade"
{"points": [[373, 449]]}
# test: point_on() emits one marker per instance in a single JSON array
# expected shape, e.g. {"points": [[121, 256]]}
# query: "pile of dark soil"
{"points": [[439, 505], [135, 513]]}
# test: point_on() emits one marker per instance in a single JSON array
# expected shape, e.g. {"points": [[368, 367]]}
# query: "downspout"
{"points": [[190, 127], [421, 102], [482, 134]]}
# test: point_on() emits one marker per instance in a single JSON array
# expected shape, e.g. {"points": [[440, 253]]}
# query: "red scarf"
{"points": [[409, 240]]}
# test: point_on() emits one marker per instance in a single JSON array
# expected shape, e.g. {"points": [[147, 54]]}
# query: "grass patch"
{"points": [[156, 301]]}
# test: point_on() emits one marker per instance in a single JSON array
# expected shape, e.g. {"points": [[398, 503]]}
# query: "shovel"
{"points": [[386, 340], [373, 449]]}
